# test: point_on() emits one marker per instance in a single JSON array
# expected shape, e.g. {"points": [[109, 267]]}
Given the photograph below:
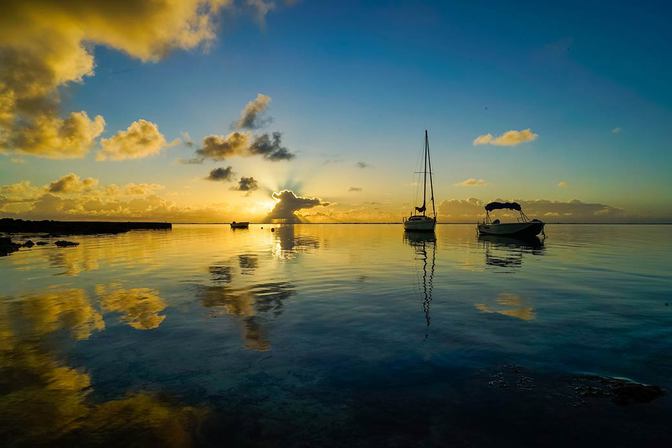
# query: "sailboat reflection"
{"points": [[423, 243], [507, 252]]}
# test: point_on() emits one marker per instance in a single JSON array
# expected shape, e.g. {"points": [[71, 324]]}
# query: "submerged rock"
{"points": [[620, 391], [64, 243]]}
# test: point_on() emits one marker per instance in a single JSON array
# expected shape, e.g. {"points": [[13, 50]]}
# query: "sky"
{"points": [[307, 111]]}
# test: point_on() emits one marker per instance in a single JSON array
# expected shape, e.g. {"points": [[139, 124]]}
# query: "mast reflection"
{"points": [[424, 243]]}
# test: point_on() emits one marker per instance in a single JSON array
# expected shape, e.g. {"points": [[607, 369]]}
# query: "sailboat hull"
{"points": [[419, 225]]}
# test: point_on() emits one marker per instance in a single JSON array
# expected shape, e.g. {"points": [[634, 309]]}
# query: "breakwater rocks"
{"points": [[7, 246], [8, 225]]}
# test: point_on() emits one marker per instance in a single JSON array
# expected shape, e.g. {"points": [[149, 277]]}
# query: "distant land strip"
{"points": [[635, 223], [9, 225]]}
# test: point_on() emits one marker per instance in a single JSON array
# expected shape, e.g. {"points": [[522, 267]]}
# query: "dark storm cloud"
{"points": [[246, 184], [270, 147], [289, 203], [244, 144], [221, 174], [221, 147]]}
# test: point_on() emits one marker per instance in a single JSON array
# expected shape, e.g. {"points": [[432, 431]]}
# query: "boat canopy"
{"points": [[500, 205]]}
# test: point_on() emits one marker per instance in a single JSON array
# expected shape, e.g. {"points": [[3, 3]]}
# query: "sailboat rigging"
{"points": [[421, 222]]}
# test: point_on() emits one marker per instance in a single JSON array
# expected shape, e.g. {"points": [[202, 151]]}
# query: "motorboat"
{"points": [[524, 227], [418, 221], [240, 225]]}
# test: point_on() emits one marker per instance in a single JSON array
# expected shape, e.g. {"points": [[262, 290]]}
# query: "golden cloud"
{"points": [[472, 182], [71, 183], [509, 138], [141, 139], [47, 44], [75, 198]]}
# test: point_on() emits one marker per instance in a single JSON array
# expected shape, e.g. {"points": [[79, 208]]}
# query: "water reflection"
{"points": [[73, 260], [247, 301], [508, 252], [423, 243], [511, 305], [220, 273], [43, 313], [46, 402], [139, 307], [288, 243], [248, 263]]}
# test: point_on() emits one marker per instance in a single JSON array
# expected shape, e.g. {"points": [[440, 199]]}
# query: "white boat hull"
{"points": [[423, 225], [520, 229]]}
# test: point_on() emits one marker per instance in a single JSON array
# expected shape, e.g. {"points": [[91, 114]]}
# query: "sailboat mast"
{"points": [[424, 187], [431, 182]]}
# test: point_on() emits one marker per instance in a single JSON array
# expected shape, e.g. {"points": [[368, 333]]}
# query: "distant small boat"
{"points": [[422, 222], [240, 225], [525, 227]]}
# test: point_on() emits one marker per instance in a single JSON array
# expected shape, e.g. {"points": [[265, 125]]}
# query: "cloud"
{"points": [[271, 147], [241, 143], [139, 189], [509, 138], [563, 184], [221, 174], [50, 136], [141, 139], [363, 165], [288, 203], [472, 182], [192, 161], [250, 117], [71, 183], [47, 45], [218, 147], [471, 210], [616, 131], [261, 8], [355, 189], [248, 184], [75, 198]]}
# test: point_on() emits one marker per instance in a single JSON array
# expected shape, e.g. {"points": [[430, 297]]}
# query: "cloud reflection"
{"points": [[246, 302], [46, 402], [511, 305], [288, 243], [139, 307]]}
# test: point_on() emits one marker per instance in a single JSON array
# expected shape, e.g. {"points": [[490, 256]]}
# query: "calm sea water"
{"points": [[317, 335]]}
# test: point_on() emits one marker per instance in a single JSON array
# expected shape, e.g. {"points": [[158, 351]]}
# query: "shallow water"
{"points": [[335, 334]]}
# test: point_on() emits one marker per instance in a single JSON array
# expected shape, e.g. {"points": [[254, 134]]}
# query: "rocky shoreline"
{"points": [[9, 225]]}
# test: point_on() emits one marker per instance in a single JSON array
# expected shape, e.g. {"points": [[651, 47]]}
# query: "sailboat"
{"points": [[419, 221]]}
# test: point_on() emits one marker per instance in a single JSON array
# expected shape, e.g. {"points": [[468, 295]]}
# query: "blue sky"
{"points": [[360, 81]]}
